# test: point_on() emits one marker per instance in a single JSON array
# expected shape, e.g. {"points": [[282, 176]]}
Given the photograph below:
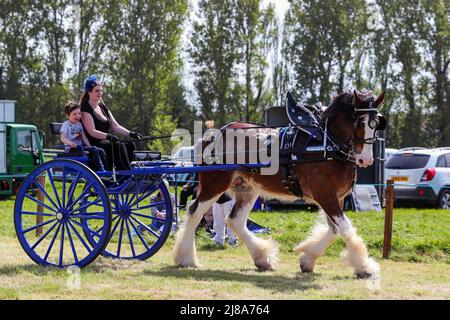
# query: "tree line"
{"points": [[167, 63]]}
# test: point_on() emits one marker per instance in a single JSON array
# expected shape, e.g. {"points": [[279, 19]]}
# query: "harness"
{"points": [[303, 120]]}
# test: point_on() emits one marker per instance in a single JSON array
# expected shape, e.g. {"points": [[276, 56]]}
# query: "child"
{"points": [[72, 134]]}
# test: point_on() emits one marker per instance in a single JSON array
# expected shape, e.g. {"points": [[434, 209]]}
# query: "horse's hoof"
{"points": [[307, 263], [264, 267], [305, 269], [363, 275]]}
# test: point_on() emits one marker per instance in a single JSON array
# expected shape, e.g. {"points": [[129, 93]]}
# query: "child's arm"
{"points": [[66, 141], [85, 139]]}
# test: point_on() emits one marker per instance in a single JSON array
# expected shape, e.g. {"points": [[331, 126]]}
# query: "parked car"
{"points": [[389, 152], [184, 156], [421, 176]]}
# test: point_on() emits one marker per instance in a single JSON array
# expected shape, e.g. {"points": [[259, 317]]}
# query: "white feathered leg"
{"points": [[184, 251], [355, 254], [322, 235], [264, 252]]}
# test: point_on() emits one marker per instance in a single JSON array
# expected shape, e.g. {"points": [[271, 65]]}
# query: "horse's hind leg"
{"points": [[312, 248], [184, 252], [264, 252]]}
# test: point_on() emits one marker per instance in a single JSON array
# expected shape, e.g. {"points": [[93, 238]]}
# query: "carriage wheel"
{"points": [[136, 231], [48, 226]]}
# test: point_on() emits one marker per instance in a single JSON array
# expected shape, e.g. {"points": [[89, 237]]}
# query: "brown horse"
{"points": [[351, 121]]}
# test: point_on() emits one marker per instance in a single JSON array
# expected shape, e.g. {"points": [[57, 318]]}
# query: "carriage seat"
{"points": [[307, 118]]}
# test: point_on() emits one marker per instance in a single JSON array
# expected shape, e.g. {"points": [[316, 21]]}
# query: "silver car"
{"points": [[421, 176]]}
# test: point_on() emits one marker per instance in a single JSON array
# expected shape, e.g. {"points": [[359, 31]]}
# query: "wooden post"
{"points": [[40, 197], [389, 210]]}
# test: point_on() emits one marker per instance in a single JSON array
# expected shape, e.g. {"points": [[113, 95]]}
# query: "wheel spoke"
{"points": [[45, 193], [85, 228], [72, 187], [44, 236], [150, 205], [52, 242], [26, 195], [82, 195], [141, 198], [87, 216], [148, 217], [72, 245], [113, 230], [130, 238], [80, 237], [112, 220], [38, 226], [119, 245], [139, 235], [86, 205], [63, 187], [145, 227], [130, 200], [41, 214], [52, 183], [61, 248]]}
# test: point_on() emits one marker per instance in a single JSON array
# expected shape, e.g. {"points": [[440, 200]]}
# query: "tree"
{"points": [[257, 35], [214, 52], [322, 39]]}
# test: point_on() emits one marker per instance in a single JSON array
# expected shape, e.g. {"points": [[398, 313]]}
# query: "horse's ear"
{"points": [[356, 99], [379, 100]]}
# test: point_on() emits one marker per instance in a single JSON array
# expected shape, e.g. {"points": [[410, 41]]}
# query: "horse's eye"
{"points": [[372, 123]]}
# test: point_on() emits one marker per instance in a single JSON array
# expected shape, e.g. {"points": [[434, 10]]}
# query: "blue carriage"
{"points": [[66, 214]]}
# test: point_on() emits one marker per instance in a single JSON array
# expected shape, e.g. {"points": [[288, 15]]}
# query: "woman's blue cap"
{"points": [[90, 82]]}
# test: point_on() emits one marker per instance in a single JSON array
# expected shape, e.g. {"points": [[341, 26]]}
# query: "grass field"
{"points": [[417, 269]]}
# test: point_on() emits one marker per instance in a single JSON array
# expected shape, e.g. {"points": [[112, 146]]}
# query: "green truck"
{"points": [[21, 149]]}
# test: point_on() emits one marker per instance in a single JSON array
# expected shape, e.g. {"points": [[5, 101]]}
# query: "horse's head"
{"points": [[354, 118], [367, 119]]}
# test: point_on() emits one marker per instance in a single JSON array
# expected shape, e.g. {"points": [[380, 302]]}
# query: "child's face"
{"points": [[75, 116]]}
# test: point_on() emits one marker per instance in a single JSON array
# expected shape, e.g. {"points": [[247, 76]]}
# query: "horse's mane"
{"points": [[343, 102]]}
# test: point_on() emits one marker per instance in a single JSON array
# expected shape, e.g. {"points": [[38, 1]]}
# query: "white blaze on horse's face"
{"points": [[365, 158]]}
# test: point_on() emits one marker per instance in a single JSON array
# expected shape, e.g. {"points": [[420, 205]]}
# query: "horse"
{"points": [[349, 123]]}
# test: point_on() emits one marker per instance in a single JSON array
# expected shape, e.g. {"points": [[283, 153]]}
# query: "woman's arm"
{"points": [[85, 139], [116, 127], [89, 125]]}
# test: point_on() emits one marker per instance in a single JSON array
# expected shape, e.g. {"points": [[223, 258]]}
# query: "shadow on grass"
{"points": [[302, 281], [37, 270]]}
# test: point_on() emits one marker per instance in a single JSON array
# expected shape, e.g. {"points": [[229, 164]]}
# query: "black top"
{"points": [[100, 124]]}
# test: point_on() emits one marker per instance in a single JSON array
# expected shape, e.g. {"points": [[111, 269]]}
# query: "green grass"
{"points": [[419, 235], [417, 268]]}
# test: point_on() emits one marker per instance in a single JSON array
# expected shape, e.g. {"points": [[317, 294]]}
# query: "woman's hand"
{"points": [[136, 135], [112, 138]]}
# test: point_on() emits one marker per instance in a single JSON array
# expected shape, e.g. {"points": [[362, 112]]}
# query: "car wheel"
{"points": [[444, 200]]}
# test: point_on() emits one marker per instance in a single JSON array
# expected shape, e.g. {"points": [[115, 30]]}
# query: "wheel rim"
{"points": [[136, 233], [445, 200], [71, 192]]}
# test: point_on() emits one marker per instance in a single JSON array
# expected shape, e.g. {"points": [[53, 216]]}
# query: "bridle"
{"points": [[348, 150], [359, 113]]}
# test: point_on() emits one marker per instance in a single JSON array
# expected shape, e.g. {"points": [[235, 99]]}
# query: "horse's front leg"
{"points": [[321, 237], [355, 254]]}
